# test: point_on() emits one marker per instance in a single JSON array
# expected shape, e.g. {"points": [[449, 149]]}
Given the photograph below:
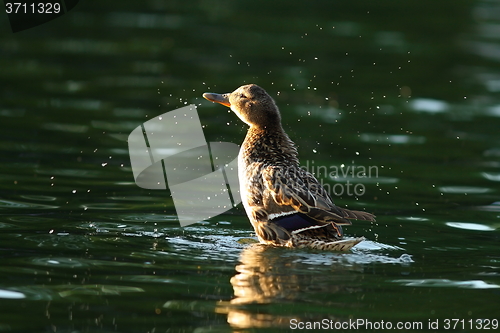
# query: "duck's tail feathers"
{"points": [[357, 215], [318, 244]]}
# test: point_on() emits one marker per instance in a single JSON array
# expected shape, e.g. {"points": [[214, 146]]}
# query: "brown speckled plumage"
{"points": [[286, 204]]}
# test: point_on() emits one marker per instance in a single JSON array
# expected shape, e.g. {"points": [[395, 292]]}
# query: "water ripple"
{"points": [[6, 225], [428, 105], [465, 189], [70, 128], [39, 197], [104, 206], [364, 253], [98, 289], [491, 176], [494, 207], [470, 226], [134, 198], [9, 294], [392, 138], [20, 204], [81, 173], [140, 217], [60, 262], [468, 284]]}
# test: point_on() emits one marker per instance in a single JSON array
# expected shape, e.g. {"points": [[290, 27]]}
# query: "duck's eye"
{"points": [[243, 96]]}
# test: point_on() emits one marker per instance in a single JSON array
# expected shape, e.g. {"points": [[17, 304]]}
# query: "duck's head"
{"points": [[252, 104]]}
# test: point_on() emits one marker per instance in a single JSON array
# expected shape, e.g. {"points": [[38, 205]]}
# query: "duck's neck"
{"points": [[269, 145]]}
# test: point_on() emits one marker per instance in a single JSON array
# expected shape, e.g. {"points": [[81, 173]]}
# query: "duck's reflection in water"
{"points": [[272, 284]]}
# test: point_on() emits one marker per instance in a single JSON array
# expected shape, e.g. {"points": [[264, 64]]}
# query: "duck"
{"points": [[286, 205]]}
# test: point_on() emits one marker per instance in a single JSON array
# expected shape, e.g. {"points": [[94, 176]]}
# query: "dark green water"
{"points": [[409, 88]]}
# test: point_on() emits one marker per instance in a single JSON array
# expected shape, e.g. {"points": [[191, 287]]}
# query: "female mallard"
{"points": [[286, 204]]}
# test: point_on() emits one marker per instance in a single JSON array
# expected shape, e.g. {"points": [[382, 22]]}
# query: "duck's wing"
{"points": [[299, 189]]}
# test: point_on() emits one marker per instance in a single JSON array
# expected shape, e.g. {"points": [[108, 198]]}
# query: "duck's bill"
{"points": [[218, 98]]}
